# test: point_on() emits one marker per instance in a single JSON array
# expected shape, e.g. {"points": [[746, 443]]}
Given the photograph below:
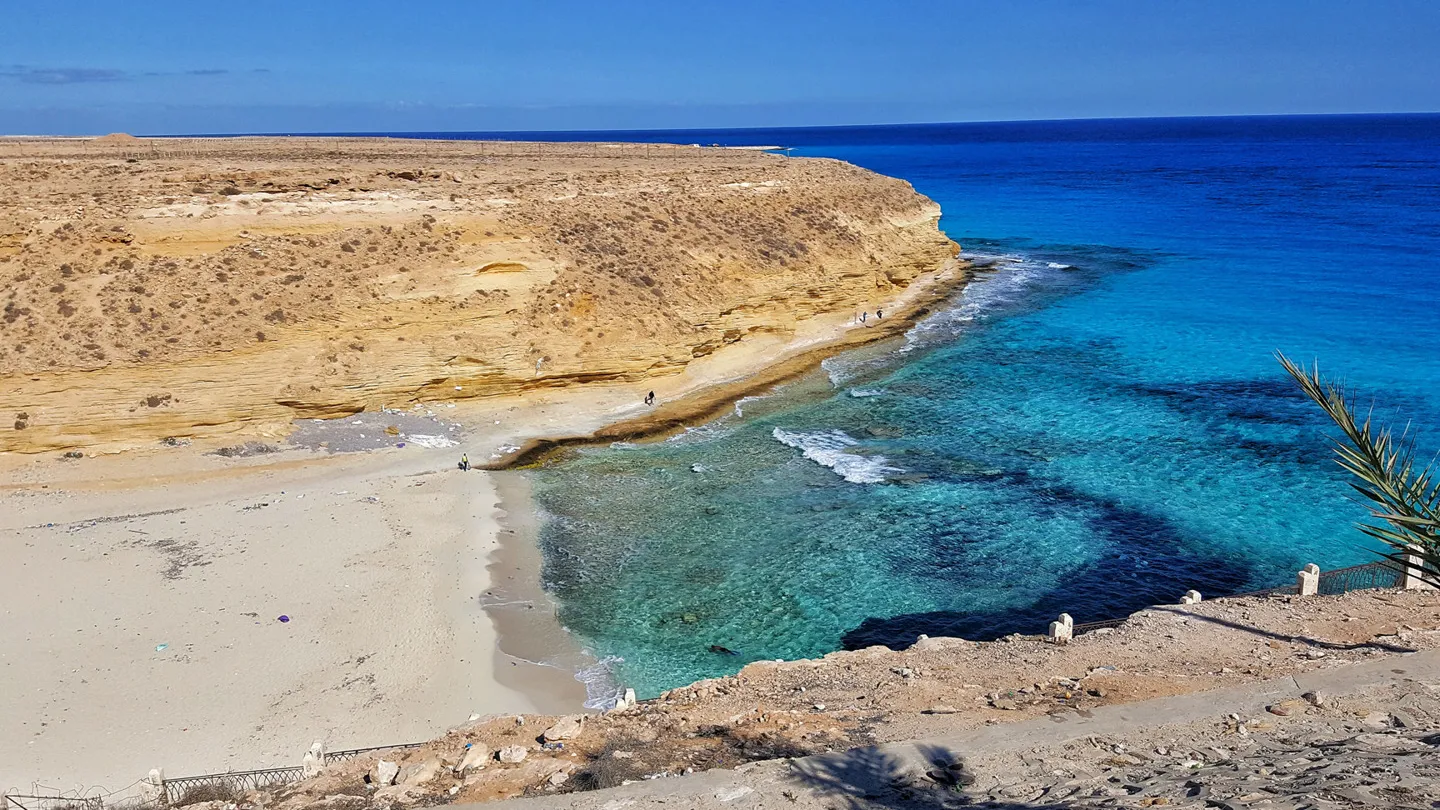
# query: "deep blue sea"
{"points": [[1096, 425]]}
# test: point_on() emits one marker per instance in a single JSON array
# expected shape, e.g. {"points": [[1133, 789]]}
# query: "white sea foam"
{"points": [[1010, 280], [602, 689], [861, 393], [831, 448], [431, 441], [836, 370], [743, 401]]}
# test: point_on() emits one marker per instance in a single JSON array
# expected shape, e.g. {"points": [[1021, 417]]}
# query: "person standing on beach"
{"points": [[879, 314], [465, 462], [650, 398]]}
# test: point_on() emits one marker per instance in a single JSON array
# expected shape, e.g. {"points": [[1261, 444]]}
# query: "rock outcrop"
{"points": [[198, 288]]}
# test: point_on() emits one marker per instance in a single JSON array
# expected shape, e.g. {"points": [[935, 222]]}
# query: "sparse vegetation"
{"points": [[214, 792]]}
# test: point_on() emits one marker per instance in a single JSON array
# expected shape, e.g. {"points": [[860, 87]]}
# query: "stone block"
{"points": [[384, 773]]}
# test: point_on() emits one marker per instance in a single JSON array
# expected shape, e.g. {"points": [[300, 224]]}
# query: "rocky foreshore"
{"points": [[1371, 746]]}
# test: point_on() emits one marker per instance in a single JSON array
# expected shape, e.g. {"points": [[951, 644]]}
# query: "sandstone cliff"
{"points": [[199, 287]]}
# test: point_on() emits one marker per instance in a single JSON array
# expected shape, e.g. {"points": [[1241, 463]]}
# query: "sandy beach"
{"points": [[142, 622]]}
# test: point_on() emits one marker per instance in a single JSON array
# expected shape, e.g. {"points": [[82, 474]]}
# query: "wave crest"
{"points": [[831, 449]]}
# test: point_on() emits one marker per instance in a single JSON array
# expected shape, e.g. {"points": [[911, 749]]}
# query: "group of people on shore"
{"points": [[879, 315]]}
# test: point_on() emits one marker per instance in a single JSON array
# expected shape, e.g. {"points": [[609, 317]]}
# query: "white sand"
{"points": [[385, 644]]}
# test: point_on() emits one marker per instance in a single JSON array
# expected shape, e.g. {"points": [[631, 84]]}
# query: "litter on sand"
{"points": [[284, 618]]}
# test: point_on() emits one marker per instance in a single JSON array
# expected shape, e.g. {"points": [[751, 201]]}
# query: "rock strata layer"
{"points": [[186, 288]]}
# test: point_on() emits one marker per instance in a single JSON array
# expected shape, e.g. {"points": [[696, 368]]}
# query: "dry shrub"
{"points": [[606, 770], [216, 792]]}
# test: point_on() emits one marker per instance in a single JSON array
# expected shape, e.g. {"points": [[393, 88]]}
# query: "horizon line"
{"points": [[882, 125]]}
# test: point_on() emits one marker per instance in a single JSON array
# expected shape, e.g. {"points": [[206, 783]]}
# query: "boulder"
{"points": [[567, 729], [421, 772], [1285, 708], [398, 795], [475, 758], [512, 754], [384, 773]]}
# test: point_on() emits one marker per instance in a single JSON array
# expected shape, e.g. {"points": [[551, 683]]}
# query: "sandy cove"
{"points": [[382, 561], [141, 623], [209, 292]]}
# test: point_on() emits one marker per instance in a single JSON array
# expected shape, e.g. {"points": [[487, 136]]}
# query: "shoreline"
{"points": [[534, 654], [710, 398], [538, 649]]}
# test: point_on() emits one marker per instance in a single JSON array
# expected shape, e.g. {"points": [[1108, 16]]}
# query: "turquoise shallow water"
{"points": [[1094, 426]]}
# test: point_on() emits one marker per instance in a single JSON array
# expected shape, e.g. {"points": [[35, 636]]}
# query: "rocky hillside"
{"points": [[198, 287]]}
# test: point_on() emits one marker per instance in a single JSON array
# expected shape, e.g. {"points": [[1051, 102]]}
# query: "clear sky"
{"points": [[155, 67]]}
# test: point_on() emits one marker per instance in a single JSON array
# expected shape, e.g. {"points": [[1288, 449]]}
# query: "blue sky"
{"points": [[363, 65]]}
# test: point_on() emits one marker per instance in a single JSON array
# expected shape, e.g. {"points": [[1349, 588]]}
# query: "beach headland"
{"points": [[197, 593]]}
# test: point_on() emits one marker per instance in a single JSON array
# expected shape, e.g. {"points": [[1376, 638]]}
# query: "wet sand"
{"points": [[535, 654]]}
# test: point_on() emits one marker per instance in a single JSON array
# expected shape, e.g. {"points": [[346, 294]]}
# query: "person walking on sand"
{"points": [[465, 462], [862, 316], [879, 314], [650, 398]]}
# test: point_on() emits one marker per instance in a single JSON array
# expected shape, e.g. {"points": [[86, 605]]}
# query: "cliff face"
{"points": [[193, 288]]}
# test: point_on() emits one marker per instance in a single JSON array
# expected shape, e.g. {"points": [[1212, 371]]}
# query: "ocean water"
{"points": [[1094, 425]]}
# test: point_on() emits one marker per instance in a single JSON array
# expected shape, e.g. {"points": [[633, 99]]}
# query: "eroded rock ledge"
{"points": [[195, 288]]}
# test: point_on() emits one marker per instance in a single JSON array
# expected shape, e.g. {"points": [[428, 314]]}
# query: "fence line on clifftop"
{"points": [[173, 790], [12, 801], [1364, 577]]}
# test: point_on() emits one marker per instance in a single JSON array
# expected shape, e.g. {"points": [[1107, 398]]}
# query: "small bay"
{"points": [[1094, 425]]}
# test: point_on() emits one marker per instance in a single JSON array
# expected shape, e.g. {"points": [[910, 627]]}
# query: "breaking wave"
{"points": [[831, 449], [1010, 280], [602, 688]]}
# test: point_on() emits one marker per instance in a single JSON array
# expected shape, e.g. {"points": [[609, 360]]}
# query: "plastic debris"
{"points": [[284, 619], [161, 647]]}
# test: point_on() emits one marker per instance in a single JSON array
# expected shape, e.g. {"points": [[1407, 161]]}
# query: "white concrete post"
{"points": [[1307, 580], [1062, 630], [152, 787], [1411, 581], [1190, 598]]}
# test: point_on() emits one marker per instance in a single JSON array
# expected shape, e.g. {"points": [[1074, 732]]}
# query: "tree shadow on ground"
{"points": [[874, 779], [1306, 640]]}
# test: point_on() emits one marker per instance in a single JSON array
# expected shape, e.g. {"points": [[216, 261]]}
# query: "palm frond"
{"points": [[1404, 496]]}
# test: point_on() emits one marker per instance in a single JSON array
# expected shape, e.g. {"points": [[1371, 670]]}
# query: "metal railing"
{"points": [[1365, 577], [17, 802], [229, 784], [237, 782]]}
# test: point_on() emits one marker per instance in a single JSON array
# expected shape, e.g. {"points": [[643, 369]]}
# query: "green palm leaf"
{"points": [[1404, 498]]}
